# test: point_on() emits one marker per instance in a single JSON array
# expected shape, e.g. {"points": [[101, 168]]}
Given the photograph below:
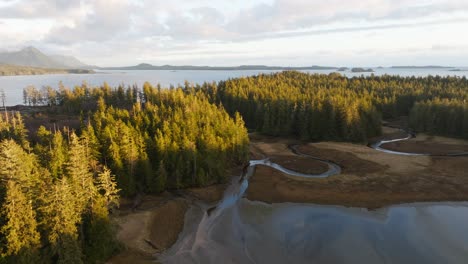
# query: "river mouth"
{"points": [[238, 230]]}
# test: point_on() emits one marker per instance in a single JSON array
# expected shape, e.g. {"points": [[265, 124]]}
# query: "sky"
{"points": [[240, 32]]}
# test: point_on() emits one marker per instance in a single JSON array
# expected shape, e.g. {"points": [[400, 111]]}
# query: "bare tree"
{"points": [[3, 97]]}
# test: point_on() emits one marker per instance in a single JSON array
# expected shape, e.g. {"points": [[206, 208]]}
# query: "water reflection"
{"points": [[255, 232]]}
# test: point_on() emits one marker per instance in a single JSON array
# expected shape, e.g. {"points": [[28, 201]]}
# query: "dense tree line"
{"points": [[140, 134], [447, 117], [84, 97], [55, 198], [311, 107], [291, 103], [317, 106], [9, 70], [176, 139]]}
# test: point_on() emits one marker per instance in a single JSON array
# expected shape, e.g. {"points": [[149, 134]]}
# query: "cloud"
{"points": [[201, 20], [345, 29], [290, 15], [105, 20], [39, 9], [196, 24], [150, 28]]}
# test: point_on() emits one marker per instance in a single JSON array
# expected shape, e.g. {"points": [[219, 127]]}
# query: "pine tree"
{"points": [[108, 188], [58, 154], [78, 172], [18, 173], [62, 215], [20, 231]]}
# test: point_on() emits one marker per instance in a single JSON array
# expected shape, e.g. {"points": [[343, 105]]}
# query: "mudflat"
{"points": [[156, 223], [149, 229], [369, 178]]}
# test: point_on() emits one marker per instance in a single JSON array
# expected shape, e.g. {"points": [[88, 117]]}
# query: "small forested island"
{"points": [[71, 156], [147, 66], [11, 70], [422, 67], [362, 70]]}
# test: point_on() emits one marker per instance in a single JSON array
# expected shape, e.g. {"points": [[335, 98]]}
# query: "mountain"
{"points": [[33, 57], [146, 66], [68, 61]]}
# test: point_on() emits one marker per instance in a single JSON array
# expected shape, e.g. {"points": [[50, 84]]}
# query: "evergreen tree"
{"points": [[19, 179]]}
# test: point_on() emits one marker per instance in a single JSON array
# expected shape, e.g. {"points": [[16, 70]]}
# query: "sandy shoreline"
{"points": [[155, 225]]}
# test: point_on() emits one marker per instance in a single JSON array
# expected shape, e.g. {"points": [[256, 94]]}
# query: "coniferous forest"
{"points": [[58, 188], [333, 107], [59, 185]]}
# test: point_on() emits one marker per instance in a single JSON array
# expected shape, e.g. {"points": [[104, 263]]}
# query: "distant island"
{"points": [[422, 67], [343, 69], [10, 70], [146, 66], [362, 70]]}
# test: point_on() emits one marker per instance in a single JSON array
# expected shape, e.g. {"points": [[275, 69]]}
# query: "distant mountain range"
{"points": [[146, 66], [33, 57]]}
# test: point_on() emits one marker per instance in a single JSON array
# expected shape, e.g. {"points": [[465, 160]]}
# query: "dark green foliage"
{"points": [[310, 107], [318, 107], [448, 117], [99, 234]]}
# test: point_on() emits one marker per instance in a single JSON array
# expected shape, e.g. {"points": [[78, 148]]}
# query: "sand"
{"points": [[155, 225], [152, 228]]}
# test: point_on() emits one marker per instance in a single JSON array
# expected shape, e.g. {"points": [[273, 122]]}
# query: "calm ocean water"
{"points": [[13, 85]]}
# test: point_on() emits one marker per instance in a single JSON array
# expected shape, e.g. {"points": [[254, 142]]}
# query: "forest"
{"points": [[54, 209], [59, 184], [334, 107], [10, 70]]}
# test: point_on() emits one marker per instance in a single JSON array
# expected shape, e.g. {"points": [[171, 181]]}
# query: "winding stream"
{"points": [[241, 231], [377, 146]]}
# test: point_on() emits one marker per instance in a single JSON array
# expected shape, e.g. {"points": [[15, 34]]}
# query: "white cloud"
{"points": [[126, 31]]}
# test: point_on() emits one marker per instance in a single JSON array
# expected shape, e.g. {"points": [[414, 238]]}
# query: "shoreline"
{"points": [[155, 225], [370, 180]]}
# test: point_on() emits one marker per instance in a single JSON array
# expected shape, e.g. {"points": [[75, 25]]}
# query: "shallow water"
{"points": [[240, 231], [255, 232], [377, 146]]}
